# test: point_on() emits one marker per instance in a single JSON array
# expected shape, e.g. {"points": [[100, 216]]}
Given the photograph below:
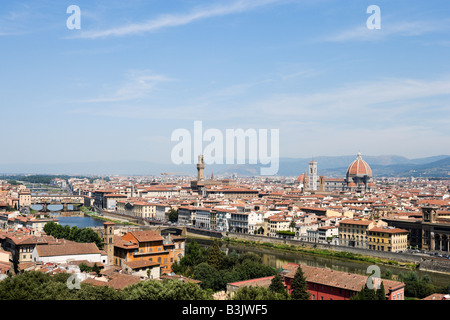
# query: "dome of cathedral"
{"points": [[359, 168]]}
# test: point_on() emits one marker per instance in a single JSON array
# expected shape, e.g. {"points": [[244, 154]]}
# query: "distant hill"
{"points": [[436, 166], [330, 166]]}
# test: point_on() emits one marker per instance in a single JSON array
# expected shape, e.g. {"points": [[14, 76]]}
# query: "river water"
{"points": [[70, 219]]}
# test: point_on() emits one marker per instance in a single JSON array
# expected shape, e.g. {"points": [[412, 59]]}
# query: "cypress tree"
{"points": [[381, 295], [370, 293], [214, 258], [299, 288], [277, 285]]}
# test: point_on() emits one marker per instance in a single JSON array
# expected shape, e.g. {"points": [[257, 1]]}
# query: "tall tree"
{"points": [[381, 294], [173, 215], [277, 285], [215, 255], [298, 286]]}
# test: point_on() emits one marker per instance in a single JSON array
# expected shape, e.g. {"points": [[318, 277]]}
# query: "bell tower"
{"points": [[200, 168], [108, 241], [313, 175], [429, 214]]}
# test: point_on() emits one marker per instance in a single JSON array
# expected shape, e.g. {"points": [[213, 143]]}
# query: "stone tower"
{"points": [[108, 240], [200, 168], [312, 175], [322, 184], [429, 214]]}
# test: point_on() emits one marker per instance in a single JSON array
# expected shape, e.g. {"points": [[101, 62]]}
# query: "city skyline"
{"points": [[115, 89]]}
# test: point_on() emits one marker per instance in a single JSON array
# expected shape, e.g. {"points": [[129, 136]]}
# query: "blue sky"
{"points": [[137, 70]]}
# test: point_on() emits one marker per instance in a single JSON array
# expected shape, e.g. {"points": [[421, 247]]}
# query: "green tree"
{"points": [[84, 267], [381, 294], [208, 276], [388, 274], [299, 287], [173, 215], [249, 256], [277, 285], [165, 290], [96, 269], [215, 255], [256, 293], [365, 294], [252, 270], [83, 235], [416, 287]]}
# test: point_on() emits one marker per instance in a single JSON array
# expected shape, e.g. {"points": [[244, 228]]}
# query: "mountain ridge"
{"points": [[332, 166]]}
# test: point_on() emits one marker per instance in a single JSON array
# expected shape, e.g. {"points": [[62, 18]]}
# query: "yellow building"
{"points": [[354, 232], [136, 208], [388, 239]]}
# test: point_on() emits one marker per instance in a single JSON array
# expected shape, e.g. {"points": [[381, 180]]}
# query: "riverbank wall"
{"points": [[400, 257]]}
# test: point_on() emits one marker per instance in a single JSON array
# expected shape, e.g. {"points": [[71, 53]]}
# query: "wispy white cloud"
{"points": [[388, 28], [174, 20], [372, 100], [138, 85]]}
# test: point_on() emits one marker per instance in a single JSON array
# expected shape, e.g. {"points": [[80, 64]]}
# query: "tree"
{"points": [[84, 235], [388, 274], [256, 293], [215, 255], [165, 290], [251, 270], [381, 294], [96, 269], [277, 285], [194, 256], [365, 294], [299, 287], [208, 276], [173, 215], [249, 256]]}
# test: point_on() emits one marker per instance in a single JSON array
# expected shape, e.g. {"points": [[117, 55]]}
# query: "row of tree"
{"points": [[74, 233], [35, 285]]}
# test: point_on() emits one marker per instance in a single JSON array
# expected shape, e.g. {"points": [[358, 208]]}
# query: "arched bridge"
{"points": [[64, 200]]}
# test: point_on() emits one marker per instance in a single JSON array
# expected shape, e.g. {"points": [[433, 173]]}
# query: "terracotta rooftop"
{"points": [[337, 279], [67, 249], [141, 264], [147, 235]]}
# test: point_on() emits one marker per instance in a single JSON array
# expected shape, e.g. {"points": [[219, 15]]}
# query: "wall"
{"points": [[206, 233], [64, 259]]}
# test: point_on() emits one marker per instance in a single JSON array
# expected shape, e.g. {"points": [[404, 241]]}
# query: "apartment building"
{"points": [[353, 232], [388, 239]]}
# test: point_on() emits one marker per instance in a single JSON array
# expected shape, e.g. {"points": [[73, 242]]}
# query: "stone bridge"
{"points": [[64, 200]]}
